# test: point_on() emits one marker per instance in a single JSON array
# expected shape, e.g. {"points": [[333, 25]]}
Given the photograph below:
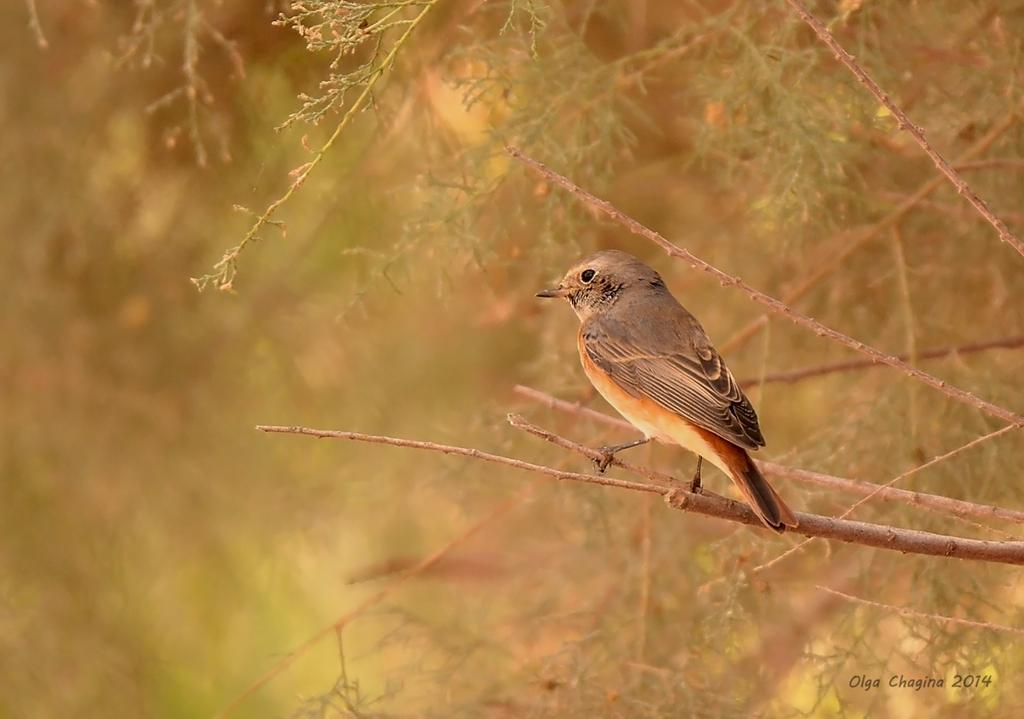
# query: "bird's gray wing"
{"points": [[688, 378]]}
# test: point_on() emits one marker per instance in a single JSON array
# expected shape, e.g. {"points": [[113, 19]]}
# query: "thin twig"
{"points": [[923, 615], [811, 525], [371, 601], [937, 502], [193, 83], [661, 479], [519, 422], [761, 298], [469, 452], [225, 269], [957, 507], [796, 375], [956, 211], [35, 25], [905, 124], [1009, 163], [931, 463], [907, 306], [571, 407]]}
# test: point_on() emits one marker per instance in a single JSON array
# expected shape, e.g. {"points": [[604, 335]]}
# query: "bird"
{"points": [[653, 362]]}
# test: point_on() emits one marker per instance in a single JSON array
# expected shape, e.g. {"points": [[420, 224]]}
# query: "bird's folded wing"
{"points": [[691, 381]]}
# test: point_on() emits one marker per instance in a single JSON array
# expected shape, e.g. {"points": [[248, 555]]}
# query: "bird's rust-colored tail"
{"points": [[762, 498]]}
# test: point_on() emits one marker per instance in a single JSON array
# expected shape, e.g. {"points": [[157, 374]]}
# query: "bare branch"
{"points": [[519, 422], [937, 502], [811, 525], [935, 353], [905, 124], [923, 615], [761, 298], [957, 507], [571, 407], [470, 452]]}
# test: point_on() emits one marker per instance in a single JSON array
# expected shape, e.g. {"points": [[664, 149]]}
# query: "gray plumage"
{"points": [[665, 356]]}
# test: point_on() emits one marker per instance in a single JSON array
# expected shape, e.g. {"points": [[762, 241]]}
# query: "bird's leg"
{"points": [[608, 452], [695, 482]]}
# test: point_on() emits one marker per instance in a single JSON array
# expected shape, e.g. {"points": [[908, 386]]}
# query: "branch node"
{"points": [[677, 498]]}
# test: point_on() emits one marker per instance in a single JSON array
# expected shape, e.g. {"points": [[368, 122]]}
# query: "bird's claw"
{"points": [[606, 458]]}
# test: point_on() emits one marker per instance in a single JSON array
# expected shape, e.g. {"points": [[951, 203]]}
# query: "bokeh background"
{"points": [[158, 556]]}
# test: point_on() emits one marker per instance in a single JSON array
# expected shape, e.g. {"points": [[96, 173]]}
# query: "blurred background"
{"points": [[159, 557]]}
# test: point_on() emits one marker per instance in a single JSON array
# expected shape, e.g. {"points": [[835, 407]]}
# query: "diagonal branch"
{"points": [[594, 455], [811, 525], [935, 502], [923, 615], [905, 124], [796, 375], [837, 254], [761, 298]]}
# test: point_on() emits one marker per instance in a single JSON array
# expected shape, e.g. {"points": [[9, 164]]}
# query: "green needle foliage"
{"points": [[158, 557]]}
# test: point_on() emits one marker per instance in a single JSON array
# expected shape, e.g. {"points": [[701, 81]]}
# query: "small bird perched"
{"points": [[655, 365]]}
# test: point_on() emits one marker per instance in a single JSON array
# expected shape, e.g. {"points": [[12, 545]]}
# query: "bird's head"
{"points": [[597, 282]]}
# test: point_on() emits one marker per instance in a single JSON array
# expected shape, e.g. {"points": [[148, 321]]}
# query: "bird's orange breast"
{"points": [[652, 419]]}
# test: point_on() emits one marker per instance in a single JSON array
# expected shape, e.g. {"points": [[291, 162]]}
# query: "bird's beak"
{"points": [[554, 292]]}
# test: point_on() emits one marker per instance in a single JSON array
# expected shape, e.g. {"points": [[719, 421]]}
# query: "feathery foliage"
{"points": [[160, 557]]}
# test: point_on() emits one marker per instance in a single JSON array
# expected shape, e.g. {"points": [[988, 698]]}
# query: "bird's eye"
{"points": [[586, 276]]}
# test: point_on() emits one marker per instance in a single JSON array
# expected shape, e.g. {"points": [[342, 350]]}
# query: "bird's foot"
{"points": [[606, 458], [695, 482], [608, 452]]}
